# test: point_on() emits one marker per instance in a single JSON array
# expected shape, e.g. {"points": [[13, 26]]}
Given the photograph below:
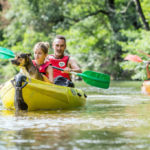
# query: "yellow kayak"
{"points": [[39, 95]]}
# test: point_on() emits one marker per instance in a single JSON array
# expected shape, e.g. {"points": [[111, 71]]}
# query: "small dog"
{"points": [[24, 61]]}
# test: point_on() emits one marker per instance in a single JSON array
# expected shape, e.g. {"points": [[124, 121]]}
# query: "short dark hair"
{"points": [[60, 37]]}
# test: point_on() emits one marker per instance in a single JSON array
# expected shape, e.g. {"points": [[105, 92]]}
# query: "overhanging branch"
{"points": [[89, 15]]}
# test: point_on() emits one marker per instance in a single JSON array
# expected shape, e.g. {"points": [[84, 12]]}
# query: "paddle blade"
{"points": [[133, 58], [6, 53], [96, 79]]}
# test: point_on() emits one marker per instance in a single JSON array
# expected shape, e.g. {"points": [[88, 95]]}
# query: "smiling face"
{"points": [[59, 46], [39, 56]]}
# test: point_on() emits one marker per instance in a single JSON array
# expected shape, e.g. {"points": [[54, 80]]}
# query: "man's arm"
{"points": [[72, 66]]}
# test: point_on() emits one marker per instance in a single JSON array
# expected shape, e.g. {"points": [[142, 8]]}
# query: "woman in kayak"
{"points": [[40, 53]]}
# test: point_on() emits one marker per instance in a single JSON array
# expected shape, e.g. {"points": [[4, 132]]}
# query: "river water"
{"points": [[114, 119]]}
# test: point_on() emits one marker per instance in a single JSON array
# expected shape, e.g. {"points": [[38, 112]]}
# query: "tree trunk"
{"points": [[140, 11]]}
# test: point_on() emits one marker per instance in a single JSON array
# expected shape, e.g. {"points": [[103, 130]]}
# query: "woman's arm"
{"points": [[49, 71]]}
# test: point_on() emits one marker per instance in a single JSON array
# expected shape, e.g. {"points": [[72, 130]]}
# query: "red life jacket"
{"points": [[60, 63], [42, 68]]}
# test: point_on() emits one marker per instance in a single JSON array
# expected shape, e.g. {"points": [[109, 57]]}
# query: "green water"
{"points": [[114, 119]]}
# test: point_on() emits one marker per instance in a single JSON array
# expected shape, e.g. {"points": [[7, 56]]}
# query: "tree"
{"points": [[97, 31], [140, 11], [94, 29]]}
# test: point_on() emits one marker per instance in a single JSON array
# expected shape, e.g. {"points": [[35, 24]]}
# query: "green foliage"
{"points": [[99, 33], [146, 8], [96, 37], [30, 38], [8, 71], [137, 42]]}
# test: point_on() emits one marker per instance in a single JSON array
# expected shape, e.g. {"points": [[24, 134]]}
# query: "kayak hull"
{"points": [[39, 95], [146, 87]]}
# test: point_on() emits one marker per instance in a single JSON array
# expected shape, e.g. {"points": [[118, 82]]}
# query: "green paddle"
{"points": [[6, 53], [96, 79]]}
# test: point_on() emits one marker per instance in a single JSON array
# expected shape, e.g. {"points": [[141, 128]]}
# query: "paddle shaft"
{"points": [[63, 70], [90, 78], [57, 68], [76, 73], [144, 53]]}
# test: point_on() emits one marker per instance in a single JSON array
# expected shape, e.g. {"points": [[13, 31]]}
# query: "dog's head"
{"points": [[21, 59]]}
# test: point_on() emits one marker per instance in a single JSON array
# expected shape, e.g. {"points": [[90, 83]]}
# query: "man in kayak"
{"points": [[60, 60]]}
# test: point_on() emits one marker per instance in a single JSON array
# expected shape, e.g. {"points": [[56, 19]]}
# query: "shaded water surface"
{"points": [[113, 119]]}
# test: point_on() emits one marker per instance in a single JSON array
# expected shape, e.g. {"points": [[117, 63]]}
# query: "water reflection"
{"points": [[117, 118]]}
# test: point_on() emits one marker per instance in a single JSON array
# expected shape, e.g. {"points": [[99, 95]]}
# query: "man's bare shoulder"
{"points": [[71, 58], [72, 61]]}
